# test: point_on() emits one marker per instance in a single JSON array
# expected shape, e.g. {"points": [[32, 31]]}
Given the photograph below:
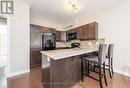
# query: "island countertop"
{"points": [[65, 53]]}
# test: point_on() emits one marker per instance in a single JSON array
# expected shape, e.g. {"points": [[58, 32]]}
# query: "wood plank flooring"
{"points": [[34, 80]]}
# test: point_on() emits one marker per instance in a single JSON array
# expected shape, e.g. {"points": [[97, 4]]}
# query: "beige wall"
{"points": [[114, 26], [18, 34]]}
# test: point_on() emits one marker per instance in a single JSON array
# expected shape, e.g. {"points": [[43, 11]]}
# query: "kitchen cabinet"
{"points": [[63, 36], [60, 36], [72, 69], [86, 32], [48, 30], [82, 33], [65, 72], [93, 31], [36, 43]]}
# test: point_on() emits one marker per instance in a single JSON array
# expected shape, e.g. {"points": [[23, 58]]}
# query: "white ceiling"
{"points": [[58, 10]]}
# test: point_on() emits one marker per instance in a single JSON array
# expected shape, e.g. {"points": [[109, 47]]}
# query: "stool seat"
{"points": [[93, 59]]}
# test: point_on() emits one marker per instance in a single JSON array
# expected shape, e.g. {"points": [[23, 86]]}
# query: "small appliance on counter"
{"points": [[48, 41], [75, 45]]}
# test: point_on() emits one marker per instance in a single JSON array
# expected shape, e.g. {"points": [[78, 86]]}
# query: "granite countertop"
{"points": [[65, 53]]}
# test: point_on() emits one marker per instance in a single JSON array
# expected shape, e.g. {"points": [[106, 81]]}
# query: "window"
{"points": [[3, 40]]}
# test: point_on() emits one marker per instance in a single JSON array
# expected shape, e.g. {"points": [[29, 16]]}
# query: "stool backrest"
{"points": [[110, 50], [102, 53]]}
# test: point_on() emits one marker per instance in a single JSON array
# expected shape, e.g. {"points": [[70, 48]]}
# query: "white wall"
{"points": [[114, 26], [40, 20], [18, 34]]}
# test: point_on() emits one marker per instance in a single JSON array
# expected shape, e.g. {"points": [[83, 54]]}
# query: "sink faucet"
{"points": [[77, 45]]}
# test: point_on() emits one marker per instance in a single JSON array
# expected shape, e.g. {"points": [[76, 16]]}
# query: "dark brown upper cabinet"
{"points": [[82, 33], [92, 31], [86, 32], [60, 36], [47, 30]]}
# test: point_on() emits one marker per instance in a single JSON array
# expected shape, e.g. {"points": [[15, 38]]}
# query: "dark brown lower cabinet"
{"points": [[61, 73]]}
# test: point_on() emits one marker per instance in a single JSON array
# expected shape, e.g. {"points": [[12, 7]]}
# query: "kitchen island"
{"points": [[62, 68]]}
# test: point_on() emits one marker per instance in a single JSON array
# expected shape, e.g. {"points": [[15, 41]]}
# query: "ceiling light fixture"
{"points": [[73, 6], [74, 9]]}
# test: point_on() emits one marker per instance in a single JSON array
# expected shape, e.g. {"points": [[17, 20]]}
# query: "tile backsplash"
{"points": [[83, 44]]}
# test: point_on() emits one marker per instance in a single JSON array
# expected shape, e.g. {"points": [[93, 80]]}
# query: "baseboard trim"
{"points": [[27, 71], [18, 73], [122, 72]]}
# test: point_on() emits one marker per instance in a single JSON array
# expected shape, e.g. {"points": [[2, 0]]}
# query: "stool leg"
{"points": [[100, 76], [94, 67], [104, 74], [112, 66], [109, 68], [88, 68], [82, 70]]}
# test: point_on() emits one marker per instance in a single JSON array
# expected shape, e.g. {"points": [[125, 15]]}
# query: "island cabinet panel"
{"points": [[46, 72], [57, 72], [63, 73], [72, 70]]}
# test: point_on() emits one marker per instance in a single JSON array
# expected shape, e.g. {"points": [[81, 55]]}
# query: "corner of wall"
{"points": [[122, 72], [18, 73]]}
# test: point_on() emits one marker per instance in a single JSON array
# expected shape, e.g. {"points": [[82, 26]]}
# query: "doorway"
{"points": [[3, 52]]}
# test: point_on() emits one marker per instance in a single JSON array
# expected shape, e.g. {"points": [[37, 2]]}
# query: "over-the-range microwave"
{"points": [[72, 36]]}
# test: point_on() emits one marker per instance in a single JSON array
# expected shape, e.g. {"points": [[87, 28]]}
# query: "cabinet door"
{"points": [[57, 74], [86, 32], [58, 35], [80, 33], [63, 36], [68, 71], [72, 70], [35, 44], [83, 32], [92, 29], [52, 30]]}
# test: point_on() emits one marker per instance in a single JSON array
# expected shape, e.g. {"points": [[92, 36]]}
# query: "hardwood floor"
{"points": [[34, 80]]}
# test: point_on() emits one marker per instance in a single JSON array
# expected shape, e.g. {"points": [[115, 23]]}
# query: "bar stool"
{"points": [[109, 56], [99, 61]]}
